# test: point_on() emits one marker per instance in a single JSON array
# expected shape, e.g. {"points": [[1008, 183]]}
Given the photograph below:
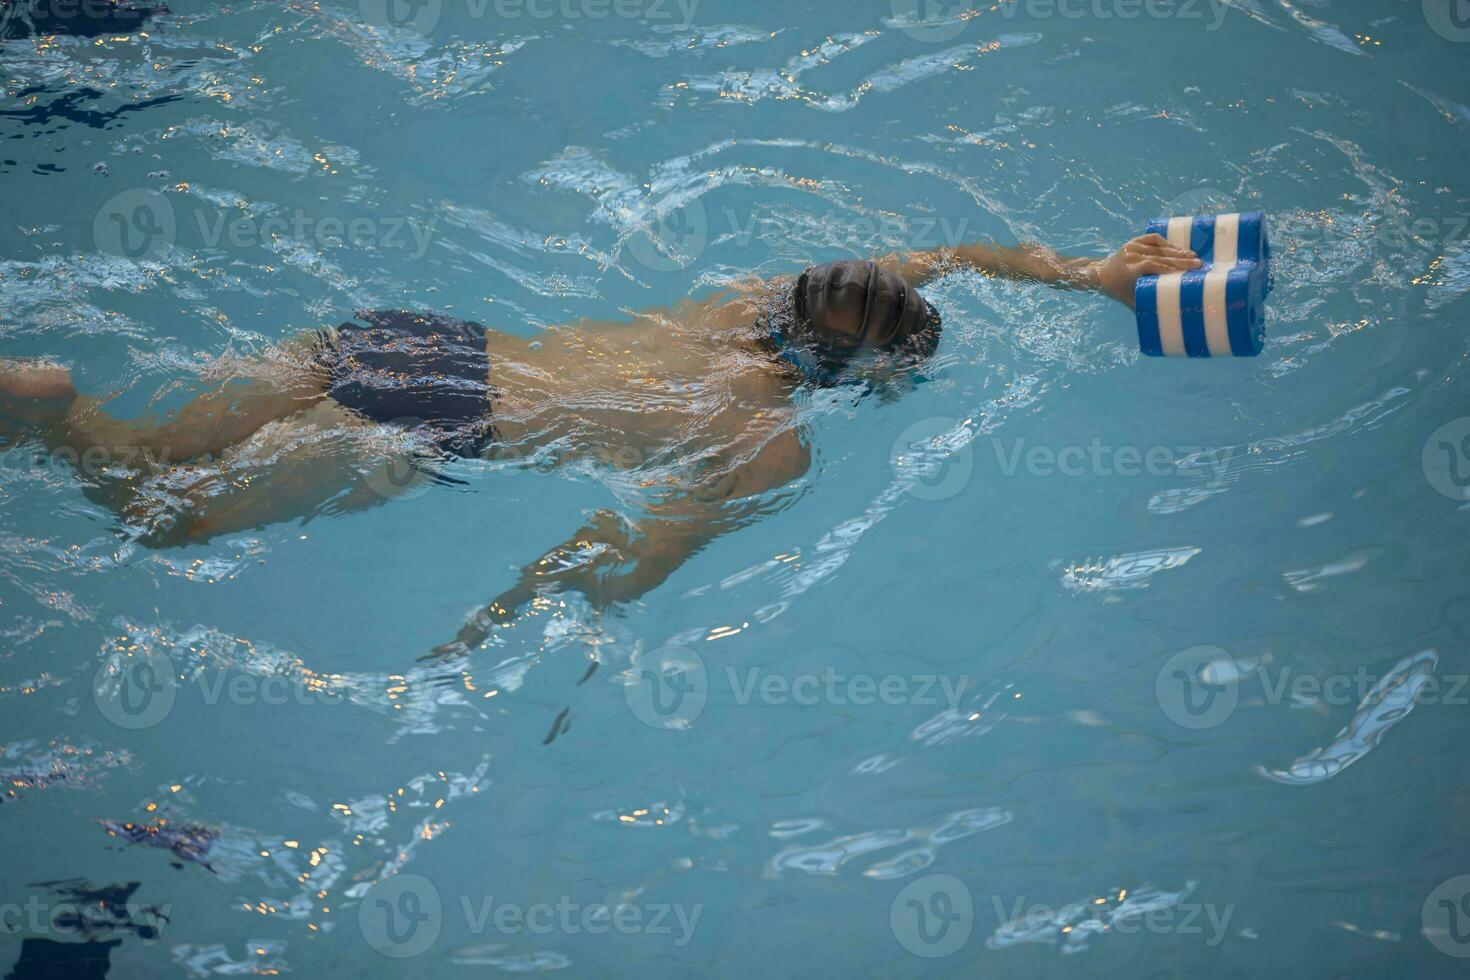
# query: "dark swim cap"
{"points": [[856, 303]]}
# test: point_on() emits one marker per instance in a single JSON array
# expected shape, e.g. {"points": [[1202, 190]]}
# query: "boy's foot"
{"points": [[34, 392]]}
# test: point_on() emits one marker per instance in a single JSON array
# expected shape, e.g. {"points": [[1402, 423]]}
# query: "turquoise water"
{"points": [[1064, 663]]}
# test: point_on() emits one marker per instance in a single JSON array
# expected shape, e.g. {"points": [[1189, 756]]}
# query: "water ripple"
{"points": [[1389, 702]]}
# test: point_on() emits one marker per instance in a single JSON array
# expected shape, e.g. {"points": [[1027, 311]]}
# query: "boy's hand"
{"points": [[1147, 255]]}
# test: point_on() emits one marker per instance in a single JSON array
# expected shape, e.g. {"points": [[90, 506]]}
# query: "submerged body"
{"points": [[695, 401]]}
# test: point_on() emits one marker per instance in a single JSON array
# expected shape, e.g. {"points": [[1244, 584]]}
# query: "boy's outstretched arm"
{"points": [[1113, 276]]}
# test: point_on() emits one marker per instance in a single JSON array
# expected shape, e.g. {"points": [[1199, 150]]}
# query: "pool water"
{"points": [[1065, 662]]}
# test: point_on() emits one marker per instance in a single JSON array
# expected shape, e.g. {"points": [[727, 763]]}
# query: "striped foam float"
{"points": [[1218, 310]]}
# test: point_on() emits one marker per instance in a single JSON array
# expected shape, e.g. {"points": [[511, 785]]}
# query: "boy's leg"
{"points": [[279, 449], [40, 399], [322, 460]]}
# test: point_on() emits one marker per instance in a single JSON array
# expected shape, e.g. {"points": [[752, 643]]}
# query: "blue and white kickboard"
{"points": [[1215, 311]]}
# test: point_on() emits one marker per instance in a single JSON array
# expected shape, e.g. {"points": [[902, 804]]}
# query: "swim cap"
{"points": [[856, 303]]}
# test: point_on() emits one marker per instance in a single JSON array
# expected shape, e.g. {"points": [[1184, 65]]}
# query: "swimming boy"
{"points": [[694, 400]]}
